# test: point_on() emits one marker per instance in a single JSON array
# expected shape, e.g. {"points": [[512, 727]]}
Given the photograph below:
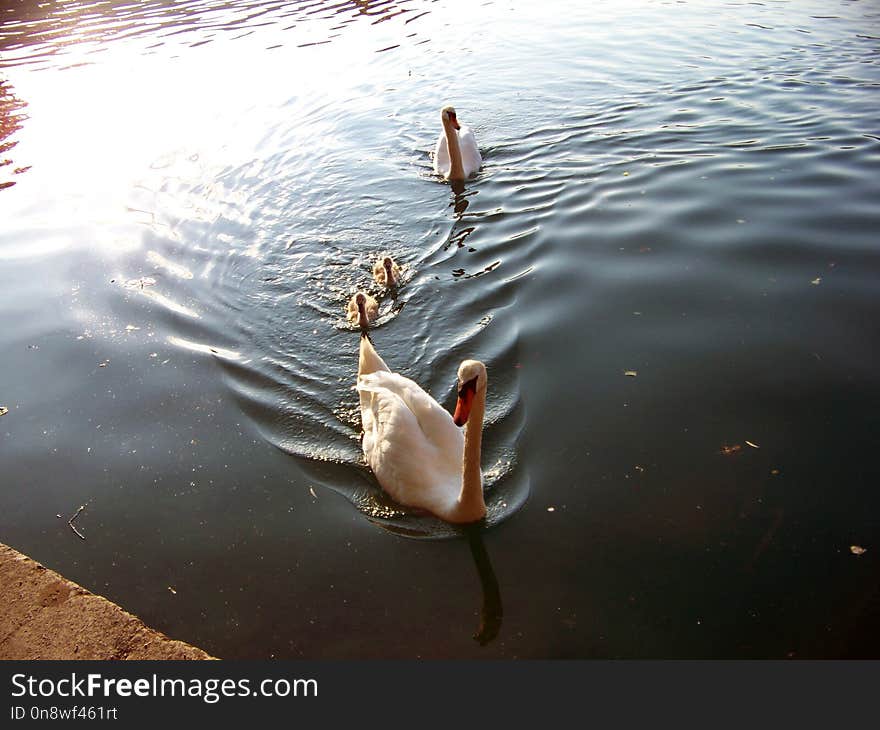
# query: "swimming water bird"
{"points": [[386, 272], [456, 156], [415, 448], [362, 310]]}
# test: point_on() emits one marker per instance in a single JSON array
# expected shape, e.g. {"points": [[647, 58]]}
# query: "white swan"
{"points": [[414, 447], [456, 156], [386, 272], [362, 309]]}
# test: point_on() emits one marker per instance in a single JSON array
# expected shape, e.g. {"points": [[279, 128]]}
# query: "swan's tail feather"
{"points": [[369, 360]]}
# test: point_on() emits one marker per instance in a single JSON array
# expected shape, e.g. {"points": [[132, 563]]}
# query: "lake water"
{"points": [[669, 263]]}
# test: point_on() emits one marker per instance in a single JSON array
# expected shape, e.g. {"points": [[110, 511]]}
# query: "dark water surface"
{"points": [[669, 262]]}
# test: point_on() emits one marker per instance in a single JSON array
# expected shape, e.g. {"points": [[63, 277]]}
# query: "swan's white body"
{"points": [[456, 155], [418, 454]]}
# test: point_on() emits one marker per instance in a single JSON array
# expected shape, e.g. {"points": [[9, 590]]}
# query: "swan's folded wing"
{"points": [[471, 160], [412, 456], [441, 156], [433, 421], [391, 436], [435, 424]]}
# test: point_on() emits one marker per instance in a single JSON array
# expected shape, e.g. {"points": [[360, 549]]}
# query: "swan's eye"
{"points": [[469, 387]]}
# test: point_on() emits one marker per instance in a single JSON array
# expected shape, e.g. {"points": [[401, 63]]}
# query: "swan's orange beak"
{"points": [[465, 400]]}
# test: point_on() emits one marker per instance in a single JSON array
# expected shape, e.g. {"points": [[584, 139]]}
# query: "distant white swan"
{"points": [[362, 309], [456, 156], [386, 272], [414, 447]]}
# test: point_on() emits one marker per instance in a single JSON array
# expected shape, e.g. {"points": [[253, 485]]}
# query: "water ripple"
{"points": [[84, 29]]}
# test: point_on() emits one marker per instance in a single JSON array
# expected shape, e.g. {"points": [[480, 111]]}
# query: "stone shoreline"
{"points": [[45, 616]]}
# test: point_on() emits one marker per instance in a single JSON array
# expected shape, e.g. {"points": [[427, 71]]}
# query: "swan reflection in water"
{"points": [[491, 607], [491, 610], [460, 200]]}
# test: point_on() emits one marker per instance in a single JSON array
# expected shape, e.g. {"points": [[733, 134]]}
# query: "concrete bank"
{"points": [[45, 616]]}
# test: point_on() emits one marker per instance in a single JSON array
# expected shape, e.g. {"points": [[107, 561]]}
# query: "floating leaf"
{"points": [[630, 373], [816, 281], [730, 450], [754, 446], [3, 410], [857, 550]]}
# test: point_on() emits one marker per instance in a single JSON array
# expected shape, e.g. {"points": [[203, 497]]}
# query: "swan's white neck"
{"points": [[471, 505], [456, 169]]}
